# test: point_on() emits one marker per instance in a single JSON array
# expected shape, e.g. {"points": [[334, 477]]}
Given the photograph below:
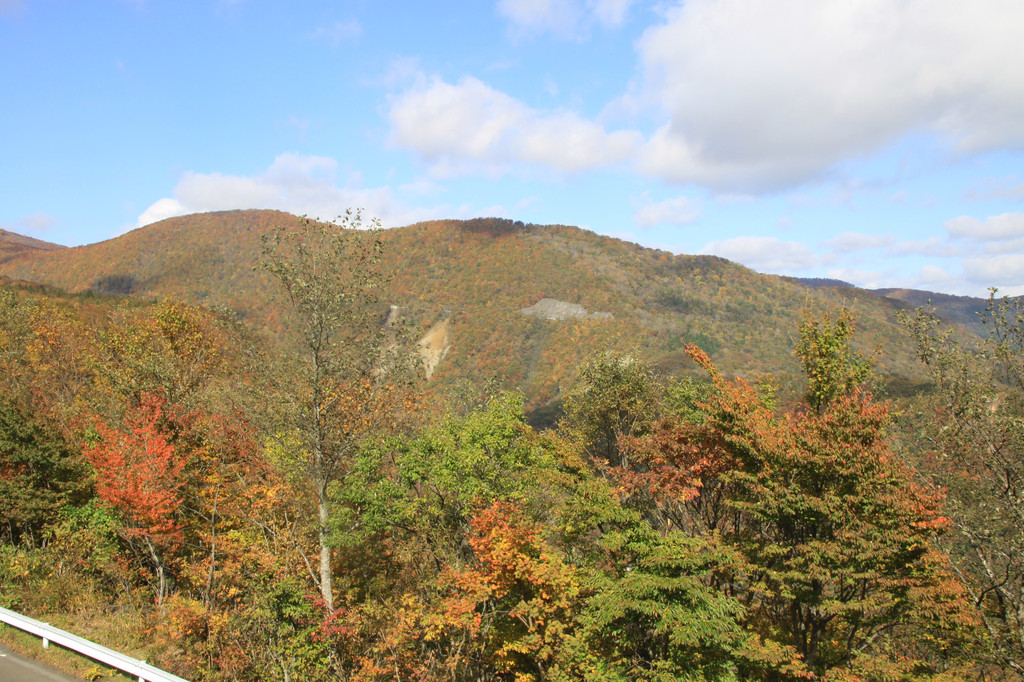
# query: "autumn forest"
{"points": [[247, 446]]}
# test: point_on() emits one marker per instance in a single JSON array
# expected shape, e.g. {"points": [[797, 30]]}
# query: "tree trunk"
{"points": [[326, 577], [161, 590]]}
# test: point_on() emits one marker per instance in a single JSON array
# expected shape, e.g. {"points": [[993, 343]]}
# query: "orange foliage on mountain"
{"points": [[478, 274]]}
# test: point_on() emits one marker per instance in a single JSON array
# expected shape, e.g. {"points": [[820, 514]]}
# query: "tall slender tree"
{"points": [[332, 389]]}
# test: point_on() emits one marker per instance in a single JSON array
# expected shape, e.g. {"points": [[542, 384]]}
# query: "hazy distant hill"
{"points": [[13, 245], [817, 282], [963, 310], [522, 303]]}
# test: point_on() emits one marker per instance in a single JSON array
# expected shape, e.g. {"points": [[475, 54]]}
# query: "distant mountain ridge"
{"points": [[13, 245], [963, 310], [822, 282], [469, 283]]}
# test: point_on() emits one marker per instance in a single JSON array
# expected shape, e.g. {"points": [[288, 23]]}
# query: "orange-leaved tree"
{"points": [[513, 608], [138, 474]]}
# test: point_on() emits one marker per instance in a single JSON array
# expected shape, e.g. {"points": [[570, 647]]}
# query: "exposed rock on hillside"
{"points": [[553, 309], [434, 346]]}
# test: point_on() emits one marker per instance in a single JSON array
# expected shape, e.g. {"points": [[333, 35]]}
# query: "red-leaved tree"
{"points": [[138, 474]]}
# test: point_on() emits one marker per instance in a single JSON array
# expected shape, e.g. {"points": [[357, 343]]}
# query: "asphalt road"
{"points": [[17, 668]]}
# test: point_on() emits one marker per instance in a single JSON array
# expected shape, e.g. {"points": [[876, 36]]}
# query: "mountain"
{"points": [[968, 311], [524, 304], [13, 245], [818, 282]]}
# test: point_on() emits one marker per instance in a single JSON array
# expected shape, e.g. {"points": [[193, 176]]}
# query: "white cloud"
{"points": [[727, 198], [670, 156], [865, 279], [768, 94], [421, 187], [563, 19], [856, 241], [1015, 245], [339, 31], [610, 13], [928, 278], [1001, 270], [997, 227], [934, 278], [933, 246], [402, 72], [748, 96], [978, 274], [162, 209], [37, 223], [470, 126], [678, 210], [991, 188], [559, 17], [295, 183], [765, 254]]}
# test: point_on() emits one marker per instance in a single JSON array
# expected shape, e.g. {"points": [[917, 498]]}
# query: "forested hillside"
{"points": [[275, 490], [476, 276]]}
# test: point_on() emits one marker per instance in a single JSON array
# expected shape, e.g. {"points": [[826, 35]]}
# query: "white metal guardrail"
{"points": [[48, 633]]}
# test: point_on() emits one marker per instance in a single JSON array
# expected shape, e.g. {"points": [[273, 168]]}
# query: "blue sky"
{"points": [[876, 141]]}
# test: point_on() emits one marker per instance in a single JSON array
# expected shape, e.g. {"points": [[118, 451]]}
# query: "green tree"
{"points": [[837, 533], [831, 366], [656, 611], [614, 396], [171, 348], [408, 518], [44, 358], [40, 473], [420, 493], [836, 538]]}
